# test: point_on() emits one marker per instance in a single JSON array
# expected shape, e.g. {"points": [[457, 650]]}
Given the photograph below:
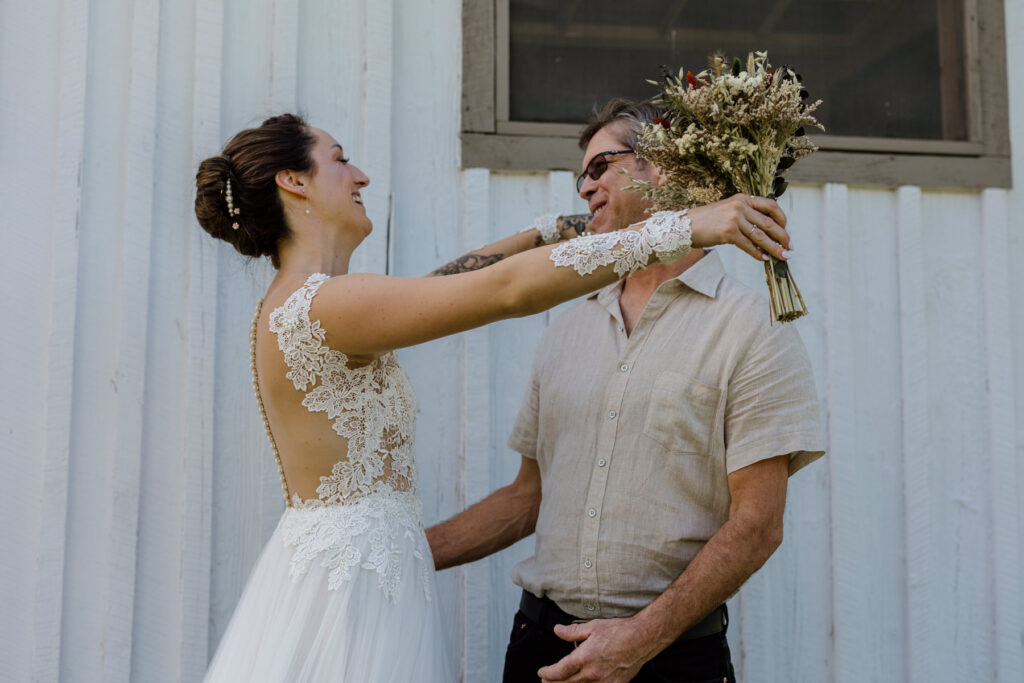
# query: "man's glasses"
{"points": [[598, 165]]}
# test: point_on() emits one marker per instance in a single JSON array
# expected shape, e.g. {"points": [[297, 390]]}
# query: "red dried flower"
{"points": [[692, 80], [657, 119]]}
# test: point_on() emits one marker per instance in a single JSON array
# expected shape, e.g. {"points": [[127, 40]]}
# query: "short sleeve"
{"points": [[524, 435], [772, 406]]}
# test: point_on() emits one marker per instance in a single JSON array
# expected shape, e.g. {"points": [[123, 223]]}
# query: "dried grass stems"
{"points": [[730, 130]]}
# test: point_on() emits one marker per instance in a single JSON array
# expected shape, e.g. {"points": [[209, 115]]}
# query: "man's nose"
{"points": [[588, 187]]}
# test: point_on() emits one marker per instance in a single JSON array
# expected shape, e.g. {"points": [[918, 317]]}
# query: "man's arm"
{"points": [[496, 522], [568, 227], [615, 649]]}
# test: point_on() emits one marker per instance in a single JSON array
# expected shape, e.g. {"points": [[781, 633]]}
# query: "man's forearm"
{"points": [[568, 227], [496, 522], [730, 557]]}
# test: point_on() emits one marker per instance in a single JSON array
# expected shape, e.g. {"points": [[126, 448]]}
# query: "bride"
{"points": [[344, 589]]}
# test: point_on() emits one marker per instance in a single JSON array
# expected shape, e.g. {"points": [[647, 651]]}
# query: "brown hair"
{"points": [[250, 161], [633, 113]]}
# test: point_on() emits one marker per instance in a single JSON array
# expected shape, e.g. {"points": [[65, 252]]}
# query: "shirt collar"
{"points": [[704, 276]]}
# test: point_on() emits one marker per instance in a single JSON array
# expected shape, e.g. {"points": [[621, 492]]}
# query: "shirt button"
{"points": [[588, 564], [590, 607], [602, 462], [621, 328], [624, 368], [611, 414], [592, 512]]}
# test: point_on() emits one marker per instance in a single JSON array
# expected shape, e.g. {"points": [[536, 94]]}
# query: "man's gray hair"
{"points": [[633, 113]]}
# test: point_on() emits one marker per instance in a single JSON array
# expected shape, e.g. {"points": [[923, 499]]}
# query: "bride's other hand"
{"points": [[754, 224]]}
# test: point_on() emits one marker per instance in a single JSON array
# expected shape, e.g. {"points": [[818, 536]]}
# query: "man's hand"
{"points": [[610, 650]]}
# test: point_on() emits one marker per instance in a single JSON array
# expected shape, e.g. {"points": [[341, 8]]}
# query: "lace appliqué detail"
{"points": [[667, 234], [370, 493], [372, 406], [547, 226], [390, 522]]}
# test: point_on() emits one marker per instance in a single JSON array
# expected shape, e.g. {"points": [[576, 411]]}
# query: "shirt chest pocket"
{"points": [[681, 413]]}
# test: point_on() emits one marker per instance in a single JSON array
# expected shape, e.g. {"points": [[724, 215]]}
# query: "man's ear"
{"points": [[291, 182]]}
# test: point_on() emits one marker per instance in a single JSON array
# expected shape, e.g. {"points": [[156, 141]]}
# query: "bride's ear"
{"points": [[291, 182]]}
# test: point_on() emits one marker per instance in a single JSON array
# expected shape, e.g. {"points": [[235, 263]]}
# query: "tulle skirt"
{"points": [[339, 593]]}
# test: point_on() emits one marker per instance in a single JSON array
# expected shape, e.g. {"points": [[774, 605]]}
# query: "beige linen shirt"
{"points": [[635, 436]]}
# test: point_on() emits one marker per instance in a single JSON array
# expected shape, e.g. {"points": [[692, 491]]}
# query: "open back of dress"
{"points": [[348, 575]]}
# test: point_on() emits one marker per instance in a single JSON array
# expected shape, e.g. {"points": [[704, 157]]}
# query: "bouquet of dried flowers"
{"points": [[728, 130]]}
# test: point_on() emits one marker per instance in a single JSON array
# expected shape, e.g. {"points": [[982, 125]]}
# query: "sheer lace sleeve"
{"points": [[667, 234]]}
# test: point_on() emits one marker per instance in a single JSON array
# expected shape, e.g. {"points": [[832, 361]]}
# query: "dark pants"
{"points": [[700, 660]]}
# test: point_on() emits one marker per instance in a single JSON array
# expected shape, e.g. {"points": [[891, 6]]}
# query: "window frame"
{"points": [[490, 140]]}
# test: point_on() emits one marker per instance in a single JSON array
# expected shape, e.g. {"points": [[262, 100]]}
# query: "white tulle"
{"points": [[344, 590], [297, 629]]}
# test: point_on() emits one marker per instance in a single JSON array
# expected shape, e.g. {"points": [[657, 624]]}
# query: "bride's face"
{"points": [[333, 189]]}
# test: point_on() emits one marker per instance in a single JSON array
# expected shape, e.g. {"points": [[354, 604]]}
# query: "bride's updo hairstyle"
{"points": [[236, 194]]}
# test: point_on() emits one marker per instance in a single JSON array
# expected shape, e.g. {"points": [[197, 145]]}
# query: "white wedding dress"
{"points": [[344, 589]]}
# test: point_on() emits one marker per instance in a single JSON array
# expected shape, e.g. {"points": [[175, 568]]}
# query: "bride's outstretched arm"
{"points": [[560, 228], [365, 315]]}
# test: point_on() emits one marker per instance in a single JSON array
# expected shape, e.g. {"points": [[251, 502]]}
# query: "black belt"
{"points": [[546, 614]]}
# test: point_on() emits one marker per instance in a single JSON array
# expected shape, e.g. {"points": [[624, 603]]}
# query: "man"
{"points": [[663, 417]]}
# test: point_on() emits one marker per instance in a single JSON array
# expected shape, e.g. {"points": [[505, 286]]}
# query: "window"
{"points": [[914, 91]]}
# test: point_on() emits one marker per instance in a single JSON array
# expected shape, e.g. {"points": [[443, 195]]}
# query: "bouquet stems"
{"points": [[787, 304]]}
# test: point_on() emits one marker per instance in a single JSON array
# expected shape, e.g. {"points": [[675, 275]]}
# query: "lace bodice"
{"points": [[372, 406], [366, 514]]}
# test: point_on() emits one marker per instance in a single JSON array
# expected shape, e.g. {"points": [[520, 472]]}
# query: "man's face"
{"points": [[612, 206]]}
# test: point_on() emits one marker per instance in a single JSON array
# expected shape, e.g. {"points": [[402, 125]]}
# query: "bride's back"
{"points": [[342, 428]]}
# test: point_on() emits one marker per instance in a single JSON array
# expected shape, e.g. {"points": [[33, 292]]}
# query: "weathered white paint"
{"points": [[137, 485], [921, 551]]}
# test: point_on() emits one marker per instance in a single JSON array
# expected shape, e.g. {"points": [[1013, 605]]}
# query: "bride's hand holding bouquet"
{"points": [[731, 130]]}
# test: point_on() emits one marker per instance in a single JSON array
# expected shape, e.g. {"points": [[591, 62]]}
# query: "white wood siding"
{"points": [[136, 485]]}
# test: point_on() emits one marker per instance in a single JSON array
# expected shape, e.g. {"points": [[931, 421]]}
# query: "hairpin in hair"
{"points": [[232, 211]]}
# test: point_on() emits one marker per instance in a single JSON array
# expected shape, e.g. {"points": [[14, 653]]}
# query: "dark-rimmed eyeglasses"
{"points": [[598, 165]]}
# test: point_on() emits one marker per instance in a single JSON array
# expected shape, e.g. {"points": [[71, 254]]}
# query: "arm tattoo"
{"points": [[468, 262], [577, 223]]}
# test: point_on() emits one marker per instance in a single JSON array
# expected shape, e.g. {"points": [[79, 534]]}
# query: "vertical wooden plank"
{"points": [[34, 230], [201, 325], [1015, 283], [917, 452], [137, 216], [107, 399], [802, 609], [1006, 499], [247, 497], [59, 286], [376, 138], [851, 625], [284, 54], [959, 463], [471, 648], [163, 540]]}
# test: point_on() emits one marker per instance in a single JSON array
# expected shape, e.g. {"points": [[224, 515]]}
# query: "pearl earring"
{"points": [[307, 212]]}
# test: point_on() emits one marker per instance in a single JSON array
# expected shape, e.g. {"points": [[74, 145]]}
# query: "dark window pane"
{"points": [[883, 68]]}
